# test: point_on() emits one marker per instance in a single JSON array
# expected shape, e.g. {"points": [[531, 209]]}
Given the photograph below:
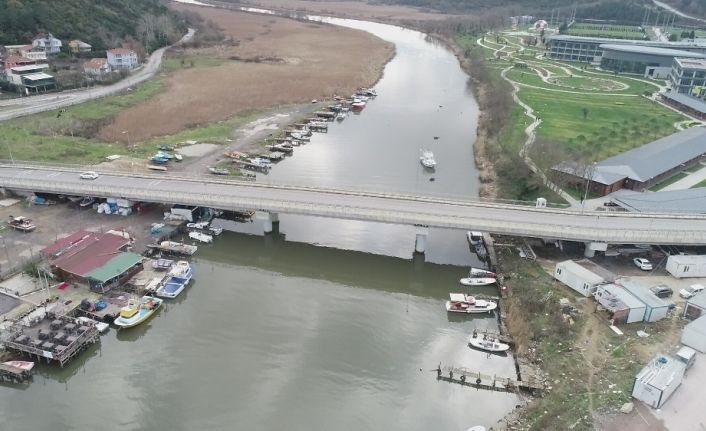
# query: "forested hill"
{"points": [[102, 23]]}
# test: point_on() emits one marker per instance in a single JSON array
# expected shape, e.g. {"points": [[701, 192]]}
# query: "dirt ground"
{"points": [[282, 61], [352, 9]]}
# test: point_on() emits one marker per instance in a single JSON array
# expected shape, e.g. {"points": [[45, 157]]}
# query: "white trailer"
{"points": [[658, 381], [683, 266], [578, 277], [694, 334]]}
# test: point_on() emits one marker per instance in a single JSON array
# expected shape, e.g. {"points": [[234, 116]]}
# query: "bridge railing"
{"points": [[209, 178]]}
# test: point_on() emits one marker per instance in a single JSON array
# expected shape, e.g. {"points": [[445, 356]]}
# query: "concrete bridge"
{"points": [[596, 229]]}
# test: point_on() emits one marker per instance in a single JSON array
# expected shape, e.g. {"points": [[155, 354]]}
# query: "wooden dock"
{"points": [[10, 374], [53, 338], [478, 380], [496, 335], [490, 247]]}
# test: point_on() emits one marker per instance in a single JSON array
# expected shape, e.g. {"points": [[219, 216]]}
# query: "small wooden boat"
{"points": [[462, 303], [478, 272], [477, 281], [102, 327], [487, 343], [22, 224], [201, 237], [137, 312]]}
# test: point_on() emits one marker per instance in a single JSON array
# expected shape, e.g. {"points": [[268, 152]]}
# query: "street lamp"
{"points": [[588, 184]]}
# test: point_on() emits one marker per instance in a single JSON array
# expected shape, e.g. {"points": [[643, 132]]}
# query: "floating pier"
{"points": [[174, 248], [10, 374], [466, 377]]}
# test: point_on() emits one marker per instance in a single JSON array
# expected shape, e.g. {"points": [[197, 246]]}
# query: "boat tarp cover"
{"points": [[115, 266], [457, 297]]}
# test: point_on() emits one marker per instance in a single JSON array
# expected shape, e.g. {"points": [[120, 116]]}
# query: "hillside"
{"points": [[101, 23]]}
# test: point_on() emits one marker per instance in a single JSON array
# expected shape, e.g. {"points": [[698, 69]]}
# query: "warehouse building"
{"points": [[642, 167], [648, 61], [683, 201]]}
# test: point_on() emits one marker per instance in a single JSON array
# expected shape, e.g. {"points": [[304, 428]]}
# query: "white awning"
{"points": [[37, 76]]}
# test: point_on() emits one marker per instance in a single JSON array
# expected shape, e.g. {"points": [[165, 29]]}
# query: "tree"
{"points": [[585, 112], [563, 27], [673, 37], [692, 35]]}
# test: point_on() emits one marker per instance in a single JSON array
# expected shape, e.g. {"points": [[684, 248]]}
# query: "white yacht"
{"points": [[462, 303], [427, 159]]}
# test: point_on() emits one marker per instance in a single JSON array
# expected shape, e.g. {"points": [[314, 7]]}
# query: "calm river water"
{"points": [[288, 334]]}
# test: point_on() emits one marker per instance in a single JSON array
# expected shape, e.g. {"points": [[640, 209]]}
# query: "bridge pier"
{"points": [[420, 243], [593, 247], [269, 220]]}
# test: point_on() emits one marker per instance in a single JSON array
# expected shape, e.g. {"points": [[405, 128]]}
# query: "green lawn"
{"points": [[669, 181], [700, 184]]}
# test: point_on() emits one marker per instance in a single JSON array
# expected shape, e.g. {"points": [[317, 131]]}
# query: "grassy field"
{"points": [[607, 30], [669, 181], [699, 184]]}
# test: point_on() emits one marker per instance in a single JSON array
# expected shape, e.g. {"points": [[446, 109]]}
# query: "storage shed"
{"points": [[578, 276], [655, 308], [696, 306], [694, 334], [658, 381], [683, 266], [624, 307]]}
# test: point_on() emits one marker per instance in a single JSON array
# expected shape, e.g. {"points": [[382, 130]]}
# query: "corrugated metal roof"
{"points": [[622, 296], [642, 42], [642, 293], [650, 50], [585, 274], [686, 100], [87, 252], [115, 266], [659, 374], [37, 76], [683, 201], [699, 300]]}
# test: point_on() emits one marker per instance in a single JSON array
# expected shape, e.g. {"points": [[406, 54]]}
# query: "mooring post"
{"points": [[420, 243]]}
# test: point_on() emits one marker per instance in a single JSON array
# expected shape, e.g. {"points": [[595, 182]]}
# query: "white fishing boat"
{"points": [[427, 159], [102, 327], [477, 281], [340, 116], [478, 272], [201, 237], [179, 278], [215, 231], [462, 303], [23, 224], [199, 225], [474, 238], [487, 342]]}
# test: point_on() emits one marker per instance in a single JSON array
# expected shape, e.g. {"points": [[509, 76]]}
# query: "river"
{"points": [[325, 325]]}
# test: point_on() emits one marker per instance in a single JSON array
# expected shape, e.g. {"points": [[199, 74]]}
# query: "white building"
{"points": [[658, 381], [624, 307], [48, 43], [684, 266], [694, 334], [696, 306], [655, 308], [29, 51], [122, 59], [578, 277], [15, 74]]}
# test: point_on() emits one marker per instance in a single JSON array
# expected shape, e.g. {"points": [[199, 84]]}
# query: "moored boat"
{"points": [[474, 237], [22, 365], [136, 312], [487, 343], [477, 281], [201, 237], [22, 224], [340, 116], [478, 272], [218, 171], [178, 247], [462, 303], [427, 159], [179, 278]]}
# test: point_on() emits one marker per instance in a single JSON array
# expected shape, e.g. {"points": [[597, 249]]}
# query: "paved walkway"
{"points": [[687, 182]]}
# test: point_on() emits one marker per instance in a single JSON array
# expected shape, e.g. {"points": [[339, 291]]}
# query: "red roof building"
{"points": [[81, 253], [15, 60]]}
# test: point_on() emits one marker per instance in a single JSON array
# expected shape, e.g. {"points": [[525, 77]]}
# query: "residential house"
{"points": [[48, 43], [122, 59], [96, 68], [31, 78], [33, 53], [78, 46]]}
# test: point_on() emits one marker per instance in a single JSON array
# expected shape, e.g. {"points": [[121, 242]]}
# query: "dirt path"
{"points": [[590, 341]]}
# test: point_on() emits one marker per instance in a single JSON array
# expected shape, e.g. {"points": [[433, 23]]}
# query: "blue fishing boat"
{"points": [[179, 278]]}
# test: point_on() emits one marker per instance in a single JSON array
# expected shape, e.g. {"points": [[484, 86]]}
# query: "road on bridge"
{"points": [[13, 108], [518, 220]]}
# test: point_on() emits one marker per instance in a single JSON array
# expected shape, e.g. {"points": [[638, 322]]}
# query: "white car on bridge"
{"points": [[89, 175]]}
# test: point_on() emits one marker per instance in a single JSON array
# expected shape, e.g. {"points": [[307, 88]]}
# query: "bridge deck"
{"points": [[506, 219]]}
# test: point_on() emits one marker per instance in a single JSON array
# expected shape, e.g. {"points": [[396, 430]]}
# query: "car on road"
{"points": [[689, 292], [642, 263], [662, 291], [88, 175]]}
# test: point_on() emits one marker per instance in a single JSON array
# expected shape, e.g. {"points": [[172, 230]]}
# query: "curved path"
{"points": [[35, 104]]}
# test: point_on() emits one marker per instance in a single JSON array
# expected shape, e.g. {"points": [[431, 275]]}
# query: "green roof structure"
{"points": [[115, 266]]}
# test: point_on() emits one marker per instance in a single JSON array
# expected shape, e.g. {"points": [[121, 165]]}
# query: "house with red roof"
{"points": [[96, 67], [99, 260]]}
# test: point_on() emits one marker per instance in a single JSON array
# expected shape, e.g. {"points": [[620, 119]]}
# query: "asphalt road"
{"points": [[496, 218], [13, 108]]}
